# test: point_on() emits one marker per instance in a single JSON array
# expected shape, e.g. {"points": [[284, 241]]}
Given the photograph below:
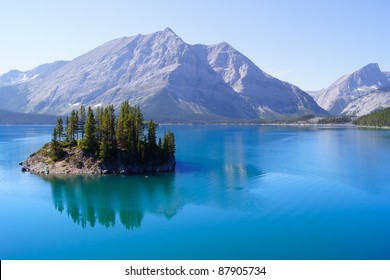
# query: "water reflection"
{"points": [[108, 200], [216, 167], [105, 200]]}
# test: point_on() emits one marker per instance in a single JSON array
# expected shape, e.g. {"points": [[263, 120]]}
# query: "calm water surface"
{"points": [[239, 192]]}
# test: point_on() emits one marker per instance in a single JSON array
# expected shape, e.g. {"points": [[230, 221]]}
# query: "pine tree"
{"points": [[131, 132], [111, 128], [103, 149], [129, 128], [103, 135], [99, 120], [143, 150], [71, 127], [169, 146], [67, 129], [55, 150], [54, 135], [59, 129], [120, 126], [89, 141], [82, 119], [138, 123], [171, 143], [151, 145], [107, 132], [75, 116]]}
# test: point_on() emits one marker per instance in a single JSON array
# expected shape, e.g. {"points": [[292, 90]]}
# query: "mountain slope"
{"points": [[143, 69], [269, 96], [387, 75], [14, 77], [348, 88], [169, 79], [374, 101]]}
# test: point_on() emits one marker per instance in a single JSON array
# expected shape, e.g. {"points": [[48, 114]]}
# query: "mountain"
{"points": [[7, 117], [387, 75], [17, 77], [169, 79], [371, 102], [269, 96], [313, 93], [351, 87]]}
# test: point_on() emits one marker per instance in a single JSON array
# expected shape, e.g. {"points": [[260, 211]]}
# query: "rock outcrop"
{"points": [[76, 161]]}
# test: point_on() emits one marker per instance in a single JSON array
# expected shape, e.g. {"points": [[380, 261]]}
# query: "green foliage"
{"points": [[130, 128], [123, 125], [296, 119], [104, 135], [335, 120], [89, 141], [168, 144], [151, 139], [55, 150], [378, 118], [82, 120], [107, 132], [98, 122], [58, 129], [103, 149], [72, 127]]}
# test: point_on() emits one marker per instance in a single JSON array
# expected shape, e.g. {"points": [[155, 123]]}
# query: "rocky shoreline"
{"points": [[79, 162]]}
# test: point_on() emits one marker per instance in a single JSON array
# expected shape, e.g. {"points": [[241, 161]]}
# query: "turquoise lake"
{"points": [[239, 192]]}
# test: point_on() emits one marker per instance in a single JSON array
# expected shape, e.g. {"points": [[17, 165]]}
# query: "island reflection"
{"points": [[91, 200], [222, 181]]}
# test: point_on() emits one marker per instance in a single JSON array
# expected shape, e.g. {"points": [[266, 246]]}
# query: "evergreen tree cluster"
{"points": [[335, 120], [379, 118], [295, 119], [103, 134]]}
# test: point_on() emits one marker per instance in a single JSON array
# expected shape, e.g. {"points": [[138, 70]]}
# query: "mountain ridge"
{"points": [[168, 78], [14, 77], [349, 88]]}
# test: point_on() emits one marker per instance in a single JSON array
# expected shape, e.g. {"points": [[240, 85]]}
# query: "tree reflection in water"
{"points": [[104, 199]]}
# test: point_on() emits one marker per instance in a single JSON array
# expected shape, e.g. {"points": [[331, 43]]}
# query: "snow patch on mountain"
{"points": [[350, 87], [15, 77], [367, 104]]}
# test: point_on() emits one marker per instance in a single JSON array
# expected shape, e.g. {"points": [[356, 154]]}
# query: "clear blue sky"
{"points": [[306, 42]]}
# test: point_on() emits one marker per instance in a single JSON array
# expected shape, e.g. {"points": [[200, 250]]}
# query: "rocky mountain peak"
{"points": [[346, 89], [168, 30], [170, 79], [369, 75]]}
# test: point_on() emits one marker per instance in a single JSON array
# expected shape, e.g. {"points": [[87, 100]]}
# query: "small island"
{"points": [[99, 142]]}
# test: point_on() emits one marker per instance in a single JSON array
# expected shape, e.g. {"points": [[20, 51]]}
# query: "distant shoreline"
{"points": [[243, 124]]}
